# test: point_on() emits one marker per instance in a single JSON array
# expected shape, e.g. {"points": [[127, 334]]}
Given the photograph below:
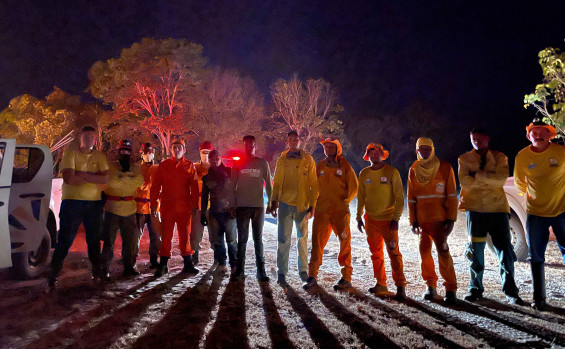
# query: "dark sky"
{"points": [[470, 59]]}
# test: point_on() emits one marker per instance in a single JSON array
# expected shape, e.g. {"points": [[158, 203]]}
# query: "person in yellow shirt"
{"points": [[539, 171], [482, 175], [337, 184], [381, 201], [432, 204], [295, 190], [119, 210], [142, 201], [85, 172]]}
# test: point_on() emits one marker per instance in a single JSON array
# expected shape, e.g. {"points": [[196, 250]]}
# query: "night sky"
{"points": [[473, 60]]}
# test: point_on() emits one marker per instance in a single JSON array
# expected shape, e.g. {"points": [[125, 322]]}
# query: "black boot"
{"points": [[538, 278], [261, 274], [188, 266], [163, 268], [239, 273], [153, 262]]}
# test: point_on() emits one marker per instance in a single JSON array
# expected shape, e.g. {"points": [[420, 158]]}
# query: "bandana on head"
{"points": [[426, 169]]}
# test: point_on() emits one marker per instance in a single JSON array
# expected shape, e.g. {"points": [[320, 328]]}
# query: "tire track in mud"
{"points": [[114, 317], [403, 319], [533, 329], [367, 334], [490, 337]]}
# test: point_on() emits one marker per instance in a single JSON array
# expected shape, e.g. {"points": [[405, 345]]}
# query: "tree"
{"points": [[308, 108], [231, 107], [35, 121], [151, 84], [549, 96]]}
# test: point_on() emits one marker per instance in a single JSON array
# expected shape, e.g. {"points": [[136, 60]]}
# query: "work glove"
{"points": [[416, 228], [274, 208], [448, 226], [360, 225], [203, 220]]}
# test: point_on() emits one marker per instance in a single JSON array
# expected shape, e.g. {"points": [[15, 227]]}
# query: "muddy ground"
{"points": [[210, 311]]}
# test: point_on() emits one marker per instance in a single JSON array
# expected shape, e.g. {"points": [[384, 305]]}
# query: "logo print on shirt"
{"points": [[384, 180], [322, 173], [368, 181], [440, 188], [339, 172], [553, 162], [251, 172], [532, 165]]}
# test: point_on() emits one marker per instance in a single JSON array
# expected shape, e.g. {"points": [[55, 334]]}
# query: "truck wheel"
{"points": [[31, 264], [518, 236]]}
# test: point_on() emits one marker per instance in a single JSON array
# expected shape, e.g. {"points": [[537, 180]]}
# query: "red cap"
{"points": [[147, 148], [206, 145], [125, 144]]}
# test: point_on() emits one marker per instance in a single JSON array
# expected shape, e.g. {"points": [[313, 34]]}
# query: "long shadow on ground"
{"points": [[533, 329], [230, 328], [183, 325], [120, 320], [275, 325], [525, 310], [403, 319], [368, 334], [492, 338], [319, 332]]}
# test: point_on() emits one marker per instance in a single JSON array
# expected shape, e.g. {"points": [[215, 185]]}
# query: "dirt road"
{"points": [[210, 311]]}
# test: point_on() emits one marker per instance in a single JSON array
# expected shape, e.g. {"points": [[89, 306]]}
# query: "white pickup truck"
{"points": [[27, 224]]}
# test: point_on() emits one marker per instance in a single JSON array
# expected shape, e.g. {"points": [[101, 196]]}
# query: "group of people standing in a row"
{"points": [[227, 200]]}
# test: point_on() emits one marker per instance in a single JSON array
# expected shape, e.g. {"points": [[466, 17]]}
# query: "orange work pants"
{"points": [[436, 233], [182, 220], [378, 231], [324, 223]]}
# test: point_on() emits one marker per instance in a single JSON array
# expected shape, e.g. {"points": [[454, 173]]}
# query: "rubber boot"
{"points": [[188, 266], [153, 262], [163, 268], [538, 278]]}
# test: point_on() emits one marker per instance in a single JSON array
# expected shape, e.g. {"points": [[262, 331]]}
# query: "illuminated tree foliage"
{"points": [[151, 84], [310, 108], [35, 121], [549, 96], [230, 107]]}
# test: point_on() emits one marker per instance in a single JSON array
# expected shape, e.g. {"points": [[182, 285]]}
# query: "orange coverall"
{"points": [[337, 186], [175, 186], [381, 197], [430, 205], [142, 194]]}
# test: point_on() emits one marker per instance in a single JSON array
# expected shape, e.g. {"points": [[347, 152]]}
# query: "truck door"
{"points": [[7, 148]]}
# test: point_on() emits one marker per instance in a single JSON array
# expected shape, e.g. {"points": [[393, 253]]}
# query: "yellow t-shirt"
{"points": [[542, 177], [94, 162], [380, 193], [123, 184], [290, 182]]}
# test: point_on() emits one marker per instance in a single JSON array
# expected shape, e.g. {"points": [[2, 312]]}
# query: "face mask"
{"points": [[123, 159], [148, 157], [204, 157]]}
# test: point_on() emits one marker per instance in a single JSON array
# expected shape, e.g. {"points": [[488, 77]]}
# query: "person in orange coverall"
{"points": [[337, 184], [196, 227], [175, 187], [432, 203], [381, 197], [143, 213]]}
